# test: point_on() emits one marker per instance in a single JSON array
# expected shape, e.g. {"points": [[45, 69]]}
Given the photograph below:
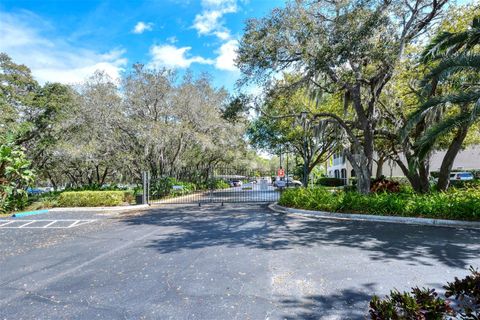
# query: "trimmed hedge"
{"points": [[453, 204], [330, 182], [93, 198]]}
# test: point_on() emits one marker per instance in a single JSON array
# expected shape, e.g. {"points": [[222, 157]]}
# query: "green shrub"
{"points": [[43, 201], [15, 177], [453, 204], [163, 187], [216, 184], [330, 182], [311, 198], [91, 198], [419, 304], [96, 187], [462, 184], [129, 196], [462, 302]]}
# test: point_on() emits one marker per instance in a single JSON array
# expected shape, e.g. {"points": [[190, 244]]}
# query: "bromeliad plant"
{"points": [[15, 177], [462, 302]]}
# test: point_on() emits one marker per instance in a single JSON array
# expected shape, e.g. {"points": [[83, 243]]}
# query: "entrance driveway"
{"points": [[213, 262]]}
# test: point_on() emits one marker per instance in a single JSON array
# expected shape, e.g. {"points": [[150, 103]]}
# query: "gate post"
{"points": [[145, 183], [148, 187]]}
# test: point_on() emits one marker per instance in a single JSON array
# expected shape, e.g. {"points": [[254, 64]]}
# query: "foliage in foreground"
{"points": [[453, 204], [93, 198], [15, 177], [462, 302]]}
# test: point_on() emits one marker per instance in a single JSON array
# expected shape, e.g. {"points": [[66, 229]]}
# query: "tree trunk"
{"points": [[363, 183], [417, 178], [380, 163], [54, 185], [424, 174], [362, 171], [97, 173], [449, 158], [104, 176]]}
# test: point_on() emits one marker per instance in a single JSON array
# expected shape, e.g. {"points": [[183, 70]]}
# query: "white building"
{"points": [[468, 159]]}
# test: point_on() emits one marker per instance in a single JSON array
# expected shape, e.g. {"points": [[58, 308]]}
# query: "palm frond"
{"points": [[447, 43], [451, 65], [427, 141], [443, 44], [435, 103]]}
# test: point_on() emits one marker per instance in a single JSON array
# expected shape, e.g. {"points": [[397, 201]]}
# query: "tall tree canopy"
{"points": [[351, 47], [104, 131]]}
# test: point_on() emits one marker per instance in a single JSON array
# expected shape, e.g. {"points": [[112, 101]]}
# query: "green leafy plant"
{"points": [[462, 301], [92, 198], [454, 204], [466, 293], [163, 187], [15, 177], [419, 304], [330, 182], [215, 184]]}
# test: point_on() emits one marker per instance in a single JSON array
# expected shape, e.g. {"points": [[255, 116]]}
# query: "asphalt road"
{"points": [[232, 262]]}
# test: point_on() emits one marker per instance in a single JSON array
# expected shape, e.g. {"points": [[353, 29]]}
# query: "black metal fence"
{"points": [[213, 185]]}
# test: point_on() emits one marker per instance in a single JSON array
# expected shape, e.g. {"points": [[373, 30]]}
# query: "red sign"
{"points": [[281, 172]]}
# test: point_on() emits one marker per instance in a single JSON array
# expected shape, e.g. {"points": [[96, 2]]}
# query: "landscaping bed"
{"points": [[454, 204], [86, 198]]}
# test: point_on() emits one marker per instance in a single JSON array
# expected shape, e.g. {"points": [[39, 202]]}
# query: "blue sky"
{"points": [[66, 41]]}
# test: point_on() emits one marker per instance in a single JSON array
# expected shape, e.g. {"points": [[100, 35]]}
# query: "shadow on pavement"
{"points": [[257, 227], [348, 304]]}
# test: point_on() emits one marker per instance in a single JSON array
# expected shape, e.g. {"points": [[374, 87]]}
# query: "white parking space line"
{"points": [[44, 223], [79, 223], [73, 224], [49, 224], [1, 225], [28, 223]]}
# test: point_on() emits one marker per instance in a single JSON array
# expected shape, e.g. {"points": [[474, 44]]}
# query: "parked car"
{"points": [[236, 183], [461, 176], [279, 183], [34, 191], [287, 182], [294, 183]]}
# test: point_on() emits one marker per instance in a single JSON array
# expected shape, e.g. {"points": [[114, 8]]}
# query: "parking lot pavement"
{"points": [[21, 235], [43, 223], [213, 262]]}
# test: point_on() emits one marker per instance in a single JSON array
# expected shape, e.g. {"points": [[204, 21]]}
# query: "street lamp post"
{"points": [[303, 118]]}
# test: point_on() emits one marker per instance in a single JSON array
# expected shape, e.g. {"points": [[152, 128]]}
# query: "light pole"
{"points": [[304, 120]]}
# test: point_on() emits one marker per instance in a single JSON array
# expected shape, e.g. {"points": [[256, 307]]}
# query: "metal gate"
{"points": [[213, 185]]}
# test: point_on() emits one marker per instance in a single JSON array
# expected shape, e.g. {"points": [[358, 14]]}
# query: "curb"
{"points": [[101, 209], [28, 213], [374, 218]]}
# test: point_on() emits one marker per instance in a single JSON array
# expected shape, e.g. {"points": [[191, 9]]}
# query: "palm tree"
{"points": [[457, 64]]}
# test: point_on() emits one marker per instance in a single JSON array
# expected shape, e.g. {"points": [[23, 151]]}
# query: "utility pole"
{"points": [[280, 156], [287, 166], [303, 117]]}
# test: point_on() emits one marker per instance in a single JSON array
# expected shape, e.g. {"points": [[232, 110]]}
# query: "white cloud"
{"points": [[209, 21], [141, 27], [170, 56], [226, 56], [51, 59]]}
